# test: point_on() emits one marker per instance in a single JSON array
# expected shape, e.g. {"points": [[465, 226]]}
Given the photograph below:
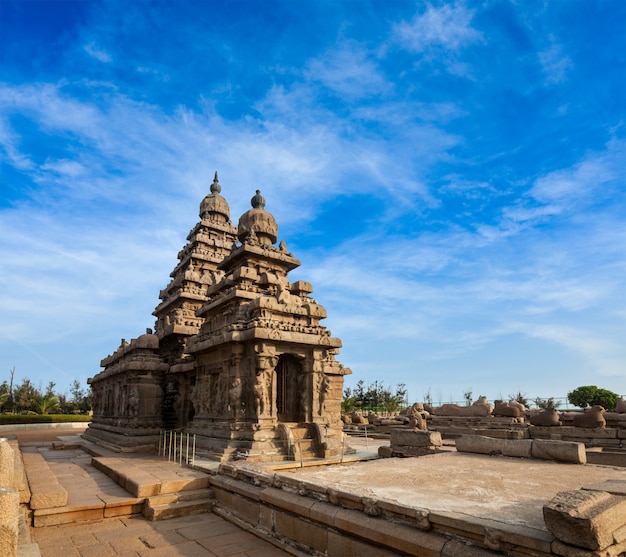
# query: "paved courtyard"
{"points": [[206, 535]]}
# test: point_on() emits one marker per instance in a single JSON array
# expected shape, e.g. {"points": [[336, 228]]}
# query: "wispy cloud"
{"points": [[453, 228], [448, 27], [555, 64], [349, 71], [98, 53]]}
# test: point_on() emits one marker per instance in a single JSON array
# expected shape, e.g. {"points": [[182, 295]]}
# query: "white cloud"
{"points": [[555, 64], [349, 71], [448, 27], [98, 53]]}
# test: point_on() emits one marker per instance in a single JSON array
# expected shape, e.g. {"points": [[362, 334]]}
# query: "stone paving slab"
{"points": [[206, 535], [91, 491]]}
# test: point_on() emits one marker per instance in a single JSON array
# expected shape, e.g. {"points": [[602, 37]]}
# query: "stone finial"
{"points": [[215, 186], [257, 226], [214, 206], [258, 201]]}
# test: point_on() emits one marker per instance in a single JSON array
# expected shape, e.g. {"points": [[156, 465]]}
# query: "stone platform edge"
{"points": [[49, 425], [333, 522]]}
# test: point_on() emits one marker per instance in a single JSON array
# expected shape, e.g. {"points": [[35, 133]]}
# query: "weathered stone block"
{"points": [[415, 438], [306, 533], [7, 459], [488, 445], [340, 545], [9, 518], [563, 451], [287, 501], [566, 550], [323, 513], [396, 537], [588, 432], [587, 519]]}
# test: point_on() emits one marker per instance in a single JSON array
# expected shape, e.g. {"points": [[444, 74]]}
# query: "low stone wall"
{"points": [[326, 521], [614, 437], [500, 427], [322, 521], [562, 451]]}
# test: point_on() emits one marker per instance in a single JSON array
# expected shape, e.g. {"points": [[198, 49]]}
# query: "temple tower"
{"points": [[208, 243], [238, 356], [266, 374]]}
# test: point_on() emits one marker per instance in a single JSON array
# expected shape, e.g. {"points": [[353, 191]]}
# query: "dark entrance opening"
{"points": [[288, 397]]}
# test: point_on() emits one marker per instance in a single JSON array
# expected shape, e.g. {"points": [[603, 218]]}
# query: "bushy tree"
{"points": [[25, 396], [589, 395], [375, 395]]}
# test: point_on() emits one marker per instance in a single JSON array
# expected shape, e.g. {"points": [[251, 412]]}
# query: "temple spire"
{"points": [[215, 186]]}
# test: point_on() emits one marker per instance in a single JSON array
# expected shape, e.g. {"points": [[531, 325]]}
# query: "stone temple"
{"points": [[238, 356]]}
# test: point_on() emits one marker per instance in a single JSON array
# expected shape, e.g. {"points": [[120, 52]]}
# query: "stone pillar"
{"points": [[9, 519], [7, 463]]}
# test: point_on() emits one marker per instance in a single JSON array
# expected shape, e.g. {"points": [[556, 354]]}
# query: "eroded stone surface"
{"points": [[587, 519]]}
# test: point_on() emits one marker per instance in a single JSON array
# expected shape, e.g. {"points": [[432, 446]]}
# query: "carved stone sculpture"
{"points": [[591, 417], [546, 418]]}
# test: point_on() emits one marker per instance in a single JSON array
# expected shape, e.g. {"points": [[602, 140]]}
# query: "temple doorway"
{"points": [[288, 397]]}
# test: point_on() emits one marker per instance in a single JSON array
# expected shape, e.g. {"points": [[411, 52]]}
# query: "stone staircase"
{"points": [[300, 442], [182, 503], [76, 485]]}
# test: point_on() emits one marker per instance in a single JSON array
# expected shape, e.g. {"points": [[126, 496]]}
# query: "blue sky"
{"points": [[451, 175]]}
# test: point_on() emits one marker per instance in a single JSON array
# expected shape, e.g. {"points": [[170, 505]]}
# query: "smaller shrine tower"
{"points": [[266, 373]]}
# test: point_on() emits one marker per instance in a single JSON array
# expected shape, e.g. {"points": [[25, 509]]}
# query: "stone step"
{"points": [[305, 445], [175, 505], [189, 495], [45, 490], [147, 477], [299, 432]]}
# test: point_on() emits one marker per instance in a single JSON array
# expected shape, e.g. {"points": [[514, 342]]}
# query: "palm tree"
{"points": [[47, 404]]}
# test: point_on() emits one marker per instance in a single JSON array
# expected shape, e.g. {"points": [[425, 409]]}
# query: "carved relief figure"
{"points": [[261, 392], [234, 396], [324, 387]]}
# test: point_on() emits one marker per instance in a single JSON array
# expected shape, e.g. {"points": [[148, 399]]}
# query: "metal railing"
{"points": [[189, 449], [174, 444]]}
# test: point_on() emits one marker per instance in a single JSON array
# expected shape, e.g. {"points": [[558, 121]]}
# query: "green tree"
{"points": [[467, 395], [25, 396], [376, 395], [47, 404], [349, 402], [50, 389], [3, 398], [520, 397], [547, 403], [590, 395]]}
